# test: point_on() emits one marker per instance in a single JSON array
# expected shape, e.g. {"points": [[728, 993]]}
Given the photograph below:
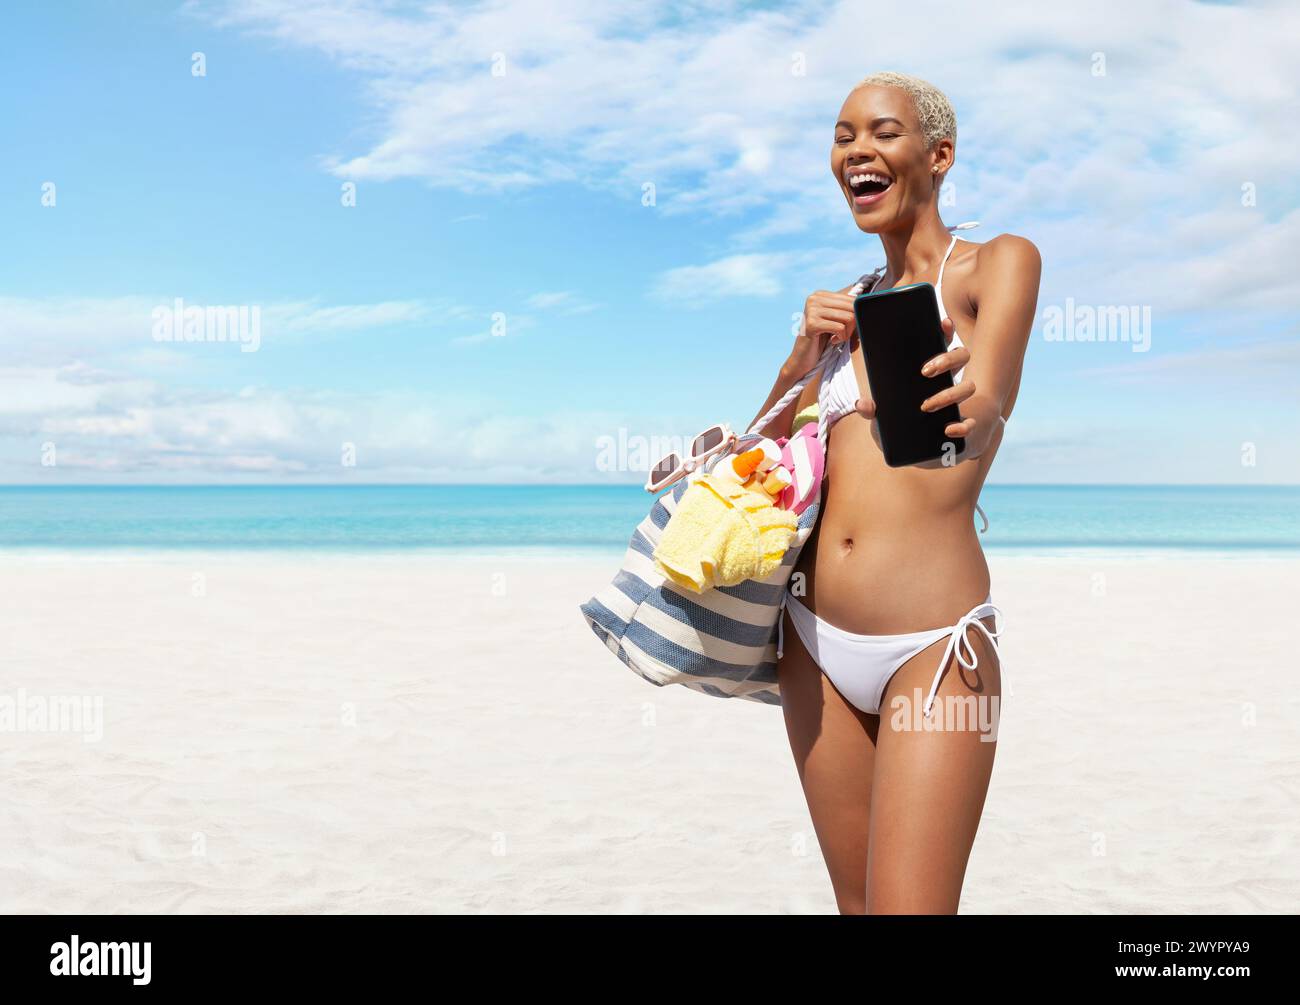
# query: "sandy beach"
{"points": [[435, 734]]}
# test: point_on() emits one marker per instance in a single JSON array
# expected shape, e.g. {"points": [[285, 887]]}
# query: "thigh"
{"points": [[930, 783], [834, 749]]}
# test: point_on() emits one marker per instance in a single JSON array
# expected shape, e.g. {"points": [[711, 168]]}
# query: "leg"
{"points": [[929, 786], [834, 746]]}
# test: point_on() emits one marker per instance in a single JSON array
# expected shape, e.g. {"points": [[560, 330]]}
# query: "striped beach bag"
{"points": [[721, 642]]}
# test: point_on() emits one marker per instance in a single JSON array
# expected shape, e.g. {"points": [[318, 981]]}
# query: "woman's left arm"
{"points": [[1006, 301]]}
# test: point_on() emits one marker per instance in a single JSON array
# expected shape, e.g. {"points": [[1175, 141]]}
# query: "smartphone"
{"points": [[900, 330]]}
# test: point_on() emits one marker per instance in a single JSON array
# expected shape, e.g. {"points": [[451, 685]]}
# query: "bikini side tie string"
{"points": [[959, 645]]}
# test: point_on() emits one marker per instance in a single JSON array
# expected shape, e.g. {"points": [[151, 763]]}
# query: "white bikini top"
{"points": [[838, 392]]}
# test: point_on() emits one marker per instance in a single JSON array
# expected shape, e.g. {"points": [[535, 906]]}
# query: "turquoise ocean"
{"points": [[593, 519]]}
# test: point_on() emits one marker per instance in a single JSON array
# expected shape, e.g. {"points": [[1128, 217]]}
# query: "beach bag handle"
{"points": [[796, 389], [827, 358]]}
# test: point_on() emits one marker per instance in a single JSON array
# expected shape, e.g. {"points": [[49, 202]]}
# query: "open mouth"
{"points": [[867, 186]]}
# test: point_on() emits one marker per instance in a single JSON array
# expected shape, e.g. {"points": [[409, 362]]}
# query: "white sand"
{"points": [[420, 734]]}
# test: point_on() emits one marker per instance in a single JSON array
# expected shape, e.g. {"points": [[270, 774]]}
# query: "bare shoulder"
{"points": [[1008, 253], [1006, 275]]}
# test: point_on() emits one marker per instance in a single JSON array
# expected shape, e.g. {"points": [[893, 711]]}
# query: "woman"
{"points": [[896, 554]]}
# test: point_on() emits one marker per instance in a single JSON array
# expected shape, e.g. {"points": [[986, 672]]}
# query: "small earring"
{"points": [[934, 170]]}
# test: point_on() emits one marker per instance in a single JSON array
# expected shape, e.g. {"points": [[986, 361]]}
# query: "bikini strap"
{"points": [[938, 286], [869, 282], [959, 646]]}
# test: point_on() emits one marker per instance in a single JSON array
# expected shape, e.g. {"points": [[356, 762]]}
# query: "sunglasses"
{"points": [[673, 466]]}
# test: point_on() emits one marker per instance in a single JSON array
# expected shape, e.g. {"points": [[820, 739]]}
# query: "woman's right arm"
{"points": [[780, 426], [827, 319]]}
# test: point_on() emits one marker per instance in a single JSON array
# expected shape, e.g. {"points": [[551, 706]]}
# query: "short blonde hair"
{"points": [[938, 120]]}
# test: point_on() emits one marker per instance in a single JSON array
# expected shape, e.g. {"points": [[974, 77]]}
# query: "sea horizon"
{"points": [[592, 518]]}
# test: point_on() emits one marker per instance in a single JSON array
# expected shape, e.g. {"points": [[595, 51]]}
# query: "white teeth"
{"points": [[858, 179]]}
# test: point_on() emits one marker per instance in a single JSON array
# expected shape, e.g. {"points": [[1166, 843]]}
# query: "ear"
{"points": [[942, 157]]}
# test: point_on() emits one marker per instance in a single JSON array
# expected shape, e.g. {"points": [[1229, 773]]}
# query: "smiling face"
{"points": [[880, 160]]}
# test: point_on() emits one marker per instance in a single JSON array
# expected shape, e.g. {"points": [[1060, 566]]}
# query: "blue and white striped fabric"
{"points": [[721, 642]]}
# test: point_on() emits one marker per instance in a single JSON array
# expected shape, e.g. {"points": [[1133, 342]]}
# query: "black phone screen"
{"points": [[899, 330]]}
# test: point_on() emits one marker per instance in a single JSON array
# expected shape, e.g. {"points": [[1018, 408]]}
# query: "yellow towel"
{"points": [[803, 417], [722, 534]]}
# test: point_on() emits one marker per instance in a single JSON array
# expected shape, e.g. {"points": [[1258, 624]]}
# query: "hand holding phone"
{"points": [[909, 369], [951, 360]]}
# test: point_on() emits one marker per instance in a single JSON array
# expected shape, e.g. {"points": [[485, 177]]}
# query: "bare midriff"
{"points": [[896, 549]]}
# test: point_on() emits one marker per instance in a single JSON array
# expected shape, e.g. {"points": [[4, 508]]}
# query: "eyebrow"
{"points": [[874, 123]]}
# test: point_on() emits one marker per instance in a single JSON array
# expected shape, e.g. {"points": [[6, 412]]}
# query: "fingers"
{"points": [[956, 429], [825, 298], [948, 329], [839, 325], [954, 395], [836, 331], [831, 314], [866, 408], [832, 330], [946, 362], [846, 333], [822, 301]]}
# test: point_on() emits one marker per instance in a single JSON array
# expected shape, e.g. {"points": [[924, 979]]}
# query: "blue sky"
{"points": [[500, 154]]}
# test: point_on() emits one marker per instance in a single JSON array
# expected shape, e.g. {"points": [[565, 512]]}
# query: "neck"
{"points": [[916, 248]]}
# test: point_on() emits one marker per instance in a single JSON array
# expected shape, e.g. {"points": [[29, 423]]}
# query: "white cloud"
{"points": [[54, 330], [80, 373], [107, 427], [754, 275], [562, 302], [1259, 363], [309, 317], [1130, 181]]}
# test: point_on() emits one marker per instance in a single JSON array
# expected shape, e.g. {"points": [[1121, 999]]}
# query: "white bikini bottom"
{"points": [[860, 666]]}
